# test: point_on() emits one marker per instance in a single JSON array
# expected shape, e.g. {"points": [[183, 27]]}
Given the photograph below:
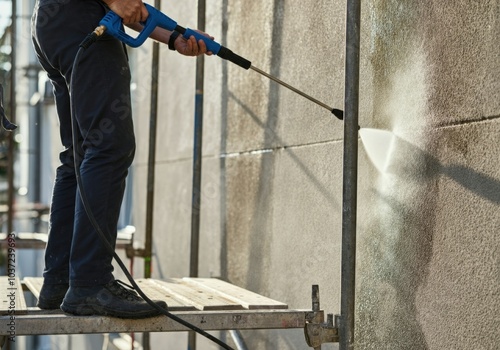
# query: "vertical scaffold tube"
{"points": [[153, 126], [197, 163], [350, 174], [10, 136]]}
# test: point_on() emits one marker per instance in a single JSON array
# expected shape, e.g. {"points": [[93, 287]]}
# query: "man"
{"points": [[78, 270]]}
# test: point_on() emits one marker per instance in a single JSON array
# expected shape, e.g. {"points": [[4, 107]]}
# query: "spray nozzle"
{"points": [[338, 113]]}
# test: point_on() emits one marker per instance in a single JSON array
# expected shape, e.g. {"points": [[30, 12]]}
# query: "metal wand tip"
{"points": [[338, 113]]}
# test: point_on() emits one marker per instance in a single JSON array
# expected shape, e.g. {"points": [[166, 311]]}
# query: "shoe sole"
{"points": [[99, 310], [46, 304]]}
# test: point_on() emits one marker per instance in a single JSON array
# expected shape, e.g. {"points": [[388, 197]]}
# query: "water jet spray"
{"points": [[379, 145]]}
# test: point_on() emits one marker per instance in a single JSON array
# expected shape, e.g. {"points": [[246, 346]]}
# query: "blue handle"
{"points": [[218, 49], [211, 45], [114, 26]]}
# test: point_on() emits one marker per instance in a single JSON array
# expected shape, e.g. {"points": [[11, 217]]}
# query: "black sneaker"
{"points": [[51, 296], [113, 299]]}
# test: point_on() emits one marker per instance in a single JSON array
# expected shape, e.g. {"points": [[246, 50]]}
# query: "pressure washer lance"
{"points": [[112, 24]]}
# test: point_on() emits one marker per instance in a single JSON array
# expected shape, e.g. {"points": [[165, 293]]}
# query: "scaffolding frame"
{"points": [[31, 321]]}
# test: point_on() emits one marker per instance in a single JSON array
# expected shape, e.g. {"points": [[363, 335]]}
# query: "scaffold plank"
{"points": [[152, 290], [12, 300], [34, 285], [26, 240], [201, 299], [209, 304], [249, 300], [155, 292], [184, 294]]}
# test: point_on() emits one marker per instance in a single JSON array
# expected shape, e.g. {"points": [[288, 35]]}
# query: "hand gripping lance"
{"points": [[113, 26]]}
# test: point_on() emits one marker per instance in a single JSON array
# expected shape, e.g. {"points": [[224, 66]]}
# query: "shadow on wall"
{"points": [[260, 246], [395, 248], [258, 240], [258, 237], [256, 178], [271, 135], [392, 155], [481, 184]]}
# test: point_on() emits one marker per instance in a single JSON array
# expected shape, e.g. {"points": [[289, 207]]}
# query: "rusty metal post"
{"points": [[12, 104], [148, 244], [197, 152], [350, 174], [197, 163]]}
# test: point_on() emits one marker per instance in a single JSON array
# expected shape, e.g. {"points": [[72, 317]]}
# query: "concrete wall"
{"points": [[428, 266]]}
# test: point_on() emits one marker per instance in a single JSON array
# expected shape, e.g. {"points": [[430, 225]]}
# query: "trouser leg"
{"points": [[105, 131]]}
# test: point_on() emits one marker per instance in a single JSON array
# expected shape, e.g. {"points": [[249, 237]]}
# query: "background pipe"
{"points": [[12, 112], [148, 244], [350, 175], [197, 152], [197, 163], [238, 339]]}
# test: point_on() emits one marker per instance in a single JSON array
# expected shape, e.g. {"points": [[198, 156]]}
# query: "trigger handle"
{"points": [[114, 26]]}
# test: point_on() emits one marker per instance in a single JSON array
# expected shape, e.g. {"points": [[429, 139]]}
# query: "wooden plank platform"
{"points": [[37, 240], [26, 240], [12, 297], [210, 304], [241, 296]]}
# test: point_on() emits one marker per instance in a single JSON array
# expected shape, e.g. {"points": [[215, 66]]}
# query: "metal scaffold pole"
{"points": [[350, 174], [153, 125], [12, 107], [197, 163]]}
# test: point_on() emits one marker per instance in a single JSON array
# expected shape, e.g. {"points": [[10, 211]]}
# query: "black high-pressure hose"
{"points": [[86, 43]]}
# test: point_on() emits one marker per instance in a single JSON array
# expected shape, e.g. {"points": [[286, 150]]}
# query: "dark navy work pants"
{"points": [[101, 93]]}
